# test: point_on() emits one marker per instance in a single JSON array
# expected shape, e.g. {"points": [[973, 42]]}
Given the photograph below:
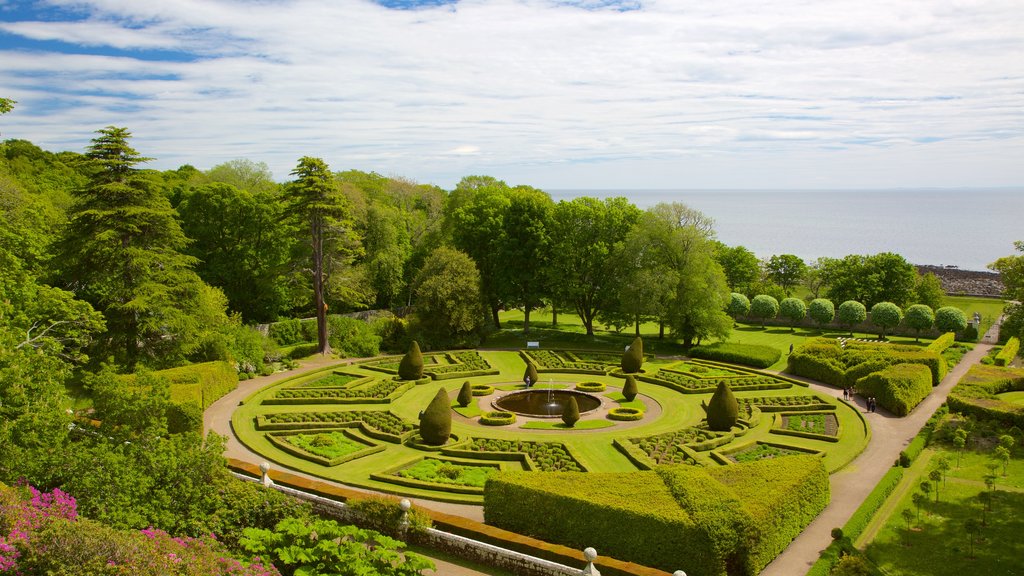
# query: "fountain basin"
{"points": [[545, 403]]}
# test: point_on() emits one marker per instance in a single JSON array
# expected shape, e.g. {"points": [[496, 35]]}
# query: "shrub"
{"points": [[633, 357], [393, 332], [920, 317], [969, 334], [851, 313], [764, 307], [898, 388], [288, 332], [723, 410], [411, 366], [738, 306], [976, 395], [625, 414], [950, 319], [482, 390], [756, 355], [497, 418], [1009, 352], [571, 412], [352, 337], [886, 315], [940, 344], [821, 311], [465, 394], [591, 387], [629, 389], [436, 421], [794, 309]]}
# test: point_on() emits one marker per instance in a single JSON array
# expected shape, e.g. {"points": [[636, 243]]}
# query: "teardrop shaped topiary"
{"points": [[411, 366], [629, 389], [571, 412], [723, 409], [633, 357], [531, 373], [465, 394], [436, 420]]}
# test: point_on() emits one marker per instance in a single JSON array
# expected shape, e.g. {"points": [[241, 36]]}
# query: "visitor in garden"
{"points": [[527, 380]]}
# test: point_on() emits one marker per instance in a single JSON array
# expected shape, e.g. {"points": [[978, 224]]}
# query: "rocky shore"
{"points": [[966, 282]]}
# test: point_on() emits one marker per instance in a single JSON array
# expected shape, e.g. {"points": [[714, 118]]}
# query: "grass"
{"points": [[1012, 397], [559, 425], [442, 472], [328, 445], [989, 308], [938, 542]]}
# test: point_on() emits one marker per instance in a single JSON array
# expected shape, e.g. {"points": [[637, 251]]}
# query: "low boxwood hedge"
{"points": [[279, 440], [976, 394], [940, 344], [1009, 352], [898, 388], [497, 418], [482, 390], [591, 387], [757, 355], [625, 414]]}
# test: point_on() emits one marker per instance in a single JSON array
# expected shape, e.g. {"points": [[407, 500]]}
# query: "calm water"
{"points": [[965, 228]]}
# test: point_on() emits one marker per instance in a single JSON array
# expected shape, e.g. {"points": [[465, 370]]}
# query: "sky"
{"points": [[557, 94]]}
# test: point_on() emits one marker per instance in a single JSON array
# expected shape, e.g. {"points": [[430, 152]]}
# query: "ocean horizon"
{"points": [[968, 228]]}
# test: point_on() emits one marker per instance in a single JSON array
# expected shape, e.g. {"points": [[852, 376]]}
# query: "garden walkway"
{"points": [[851, 485]]}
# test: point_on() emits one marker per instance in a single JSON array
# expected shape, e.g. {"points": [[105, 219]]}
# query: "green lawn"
{"points": [[990, 309], [1012, 397]]}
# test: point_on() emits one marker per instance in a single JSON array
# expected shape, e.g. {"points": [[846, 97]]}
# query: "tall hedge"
{"points": [[940, 344], [436, 420], [411, 366], [898, 388], [977, 394], [1009, 352], [723, 409], [633, 357], [629, 389], [823, 359], [756, 355]]}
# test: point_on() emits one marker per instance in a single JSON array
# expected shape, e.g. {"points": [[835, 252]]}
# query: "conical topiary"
{"points": [[465, 394], [629, 390], [571, 412], [436, 420], [723, 409], [411, 366], [633, 357], [531, 373]]}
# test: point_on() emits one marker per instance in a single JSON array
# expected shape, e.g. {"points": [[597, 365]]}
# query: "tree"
{"points": [[411, 365], [816, 276], [908, 516], [741, 266], [526, 249], [6, 105], [465, 394], [850, 565], [943, 466], [950, 319], [739, 305], [633, 357], [121, 252], [972, 527], [436, 420], [926, 488], [723, 409], [571, 412], [764, 307], [1011, 271], [246, 175], [794, 309], [1002, 455], [884, 277], [629, 389], [919, 500], [920, 317], [959, 441], [314, 200], [786, 270], [821, 311], [936, 477], [448, 301], [851, 313], [928, 291], [886, 315], [986, 505]]}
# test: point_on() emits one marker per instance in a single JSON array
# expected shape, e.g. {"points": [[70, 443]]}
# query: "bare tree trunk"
{"points": [[554, 315], [526, 318]]}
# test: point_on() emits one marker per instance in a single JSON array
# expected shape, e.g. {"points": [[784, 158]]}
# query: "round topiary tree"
{"points": [[531, 376], [633, 357], [764, 307], [629, 389], [436, 420], [465, 394], [886, 315], [739, 305], [571, 412], [723, 409], [411, 366], [851, 313], [794, 309], [920, 317], [821, 311], [950, 319]]}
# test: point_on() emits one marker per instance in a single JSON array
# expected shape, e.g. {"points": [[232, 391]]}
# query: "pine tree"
{"points": [[629, 390], [723, 409], [121, 252], [436, 421], [633, 357], [411, 366], [571, 412]]}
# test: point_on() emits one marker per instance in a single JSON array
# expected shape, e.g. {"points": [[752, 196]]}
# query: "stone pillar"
{"points": [[589, 554], [265, 469]]}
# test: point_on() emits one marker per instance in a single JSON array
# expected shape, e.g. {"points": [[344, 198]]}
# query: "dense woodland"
{"points": [[108, 268]]}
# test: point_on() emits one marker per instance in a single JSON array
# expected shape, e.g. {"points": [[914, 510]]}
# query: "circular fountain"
{"points": [[545, 403]]}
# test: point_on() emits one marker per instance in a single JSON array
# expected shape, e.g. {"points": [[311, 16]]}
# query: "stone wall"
{"points": [[966, 282]]}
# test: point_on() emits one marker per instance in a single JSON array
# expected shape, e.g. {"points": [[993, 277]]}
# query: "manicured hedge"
{"points": [[898, 388], [211, 380], [862, 517], [625, 414], [824, 360], [591, 387], [278, 439], [976, 392], [497, 418], [756, 355], [940, 344], [1009, 351]]}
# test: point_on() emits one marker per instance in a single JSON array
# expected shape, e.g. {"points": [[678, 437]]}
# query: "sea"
{"points": [[963, 228]]}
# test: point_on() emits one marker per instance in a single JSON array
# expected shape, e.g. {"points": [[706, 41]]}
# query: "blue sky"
{"points": [[553, 93]]}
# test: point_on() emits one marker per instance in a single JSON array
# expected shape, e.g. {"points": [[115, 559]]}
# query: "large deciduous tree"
{"points": [[793, 309], [920, 317], [886, 316], [1012, 270], [447, 299], [883, 277], [122, 253], [786, 270], [851, 313], [764, 307], [821, 311], [741, 266]]}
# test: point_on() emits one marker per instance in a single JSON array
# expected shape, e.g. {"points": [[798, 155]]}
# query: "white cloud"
{"points": [[739, 94]]}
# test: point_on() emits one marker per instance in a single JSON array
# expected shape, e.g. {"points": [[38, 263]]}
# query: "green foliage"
{"points": [[764, 307], [928, 291], [497, 418], [571, 412], [352, 337], [633, 357], [976, 394], [794, 309], [756, 355], [411, 366], [950, 319], [531, 373], [739, 305], [629, 389], [288, 332], [448, 299], [591, 387], [626, 414], [740, 265], [920, 317], [886, 315], [855, 526], [1009, 352], [465, 394], [883, 277], [384, 515], [436, 421], [326, 548], [723, 410], [898, 388], [851, 313], [823, 359], [786, 270], [821, 311]]}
